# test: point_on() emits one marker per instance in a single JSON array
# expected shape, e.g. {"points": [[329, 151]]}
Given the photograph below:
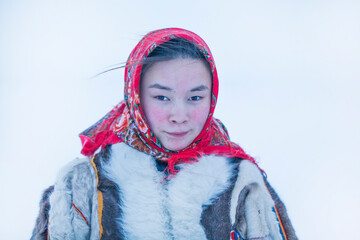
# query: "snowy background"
{"points": [[289, 94]]}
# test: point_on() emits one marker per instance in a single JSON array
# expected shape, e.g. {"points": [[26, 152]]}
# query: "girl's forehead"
{"points": [[177, 72]]}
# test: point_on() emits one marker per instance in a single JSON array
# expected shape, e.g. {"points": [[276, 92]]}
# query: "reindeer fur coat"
{"points": [[122, 194]]}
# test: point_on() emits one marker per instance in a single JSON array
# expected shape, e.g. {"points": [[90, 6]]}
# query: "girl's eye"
{"points": [[162, 98], [195, 98]]}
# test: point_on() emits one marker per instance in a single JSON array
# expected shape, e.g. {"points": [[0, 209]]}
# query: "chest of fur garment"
{"points": [[122, 194], [158, 209]]}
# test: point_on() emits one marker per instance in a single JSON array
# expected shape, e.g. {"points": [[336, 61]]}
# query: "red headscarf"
{"points": [[127, 123]]}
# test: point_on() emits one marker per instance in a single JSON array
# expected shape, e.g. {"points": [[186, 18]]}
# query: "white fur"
{"points": [[139, 182], [154, 209], [194, 187], [258, 204]]}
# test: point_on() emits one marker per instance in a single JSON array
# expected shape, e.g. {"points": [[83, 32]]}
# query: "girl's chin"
{"points": [[176, 145], [175, 148]]}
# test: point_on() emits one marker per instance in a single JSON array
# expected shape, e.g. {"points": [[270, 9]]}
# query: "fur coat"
{"points": [[122, 193]]}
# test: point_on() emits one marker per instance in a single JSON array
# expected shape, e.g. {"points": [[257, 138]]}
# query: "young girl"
{"points": [[166, 168]]}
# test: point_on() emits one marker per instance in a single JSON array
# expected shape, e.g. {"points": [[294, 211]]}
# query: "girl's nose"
{"points": [[178, 113]]}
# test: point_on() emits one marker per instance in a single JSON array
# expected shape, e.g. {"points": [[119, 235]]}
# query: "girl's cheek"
{"points": [[158, 114], [200, 114]]}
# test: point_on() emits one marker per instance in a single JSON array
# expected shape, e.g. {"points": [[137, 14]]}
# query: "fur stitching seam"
{"points": [[81, 214], [100, 198]]}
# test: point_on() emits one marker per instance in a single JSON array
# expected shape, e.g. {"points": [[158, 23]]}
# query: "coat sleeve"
{"points": [[256, 211], [66, 208], [281, 212]]}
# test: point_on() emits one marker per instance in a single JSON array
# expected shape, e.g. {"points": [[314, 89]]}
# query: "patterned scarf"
{"points": [[126, 122]]}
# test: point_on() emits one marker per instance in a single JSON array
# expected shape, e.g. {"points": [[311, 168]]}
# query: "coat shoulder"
{"points": [[72, 191]]}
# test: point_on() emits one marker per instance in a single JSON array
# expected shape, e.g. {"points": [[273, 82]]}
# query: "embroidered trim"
{"points": [[82, 215], [100, 198], [235, 235], [282, 229]]}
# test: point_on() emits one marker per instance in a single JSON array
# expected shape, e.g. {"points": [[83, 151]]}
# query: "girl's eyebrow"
{"points": [[162, 87], [199, 88], [158, 86]]}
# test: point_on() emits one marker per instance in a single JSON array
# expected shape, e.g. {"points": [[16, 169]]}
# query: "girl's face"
{"points": [[175, 96]]}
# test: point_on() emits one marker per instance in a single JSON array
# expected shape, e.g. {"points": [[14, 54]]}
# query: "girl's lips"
{"points": [[177, 134]]}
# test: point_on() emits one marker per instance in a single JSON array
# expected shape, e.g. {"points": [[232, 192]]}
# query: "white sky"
{"points": [[289, 94]]}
